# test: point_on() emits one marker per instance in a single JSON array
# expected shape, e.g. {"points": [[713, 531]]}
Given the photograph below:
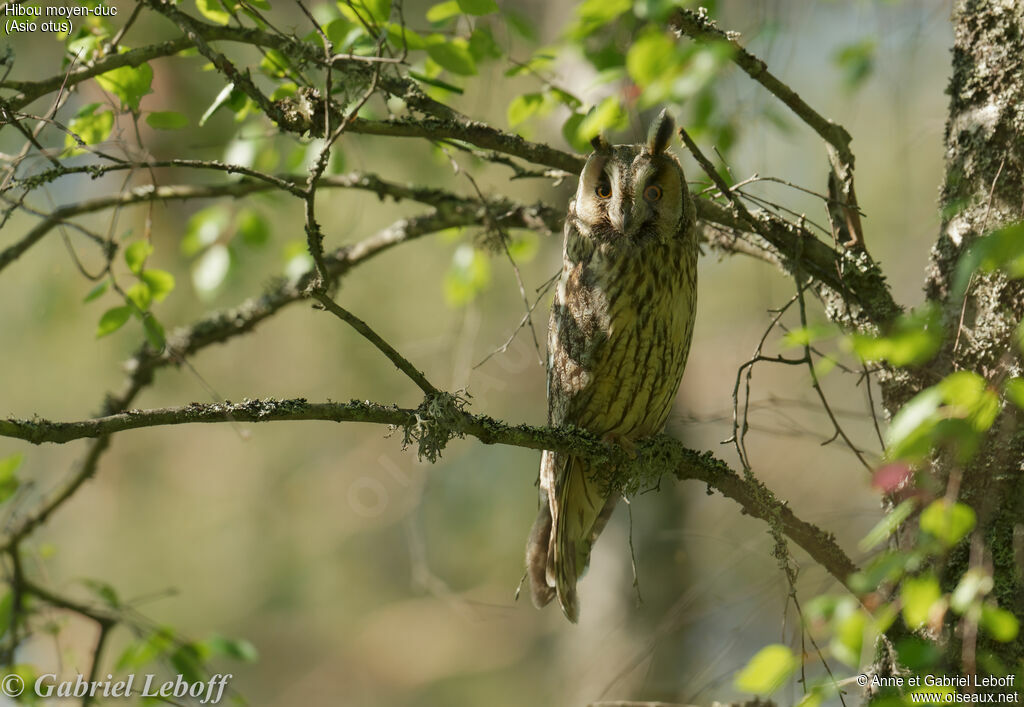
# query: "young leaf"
{"points": [[443, 11], [452, 54], [887, 526], [154, 332], [999, 623], [135, 255], [129, 83], [214, 11], [112, 320], [91, 127], [767, 671], [523, 107], [919, 595], [949, 522], [160, 283], [253, 228], [140, 296]]}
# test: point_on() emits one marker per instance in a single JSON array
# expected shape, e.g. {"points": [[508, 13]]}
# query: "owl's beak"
{"points": [[622, 219]]}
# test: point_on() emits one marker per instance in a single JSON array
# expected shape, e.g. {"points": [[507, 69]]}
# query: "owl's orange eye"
{"points": [[652, 193], [604, 190]]}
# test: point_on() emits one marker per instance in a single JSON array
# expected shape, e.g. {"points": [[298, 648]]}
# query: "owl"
{"points": [[618, 338]]}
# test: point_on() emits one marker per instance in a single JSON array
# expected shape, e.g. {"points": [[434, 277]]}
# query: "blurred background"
{"points": [[364, 577]]}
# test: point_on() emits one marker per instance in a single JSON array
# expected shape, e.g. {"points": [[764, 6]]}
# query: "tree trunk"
{"points": [[983, 191]]}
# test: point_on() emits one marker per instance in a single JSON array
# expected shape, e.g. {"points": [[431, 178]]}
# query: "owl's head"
{"points": [[634, 191]]}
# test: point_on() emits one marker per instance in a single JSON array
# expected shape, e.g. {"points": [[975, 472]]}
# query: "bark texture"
{"points": [[983, 191]]}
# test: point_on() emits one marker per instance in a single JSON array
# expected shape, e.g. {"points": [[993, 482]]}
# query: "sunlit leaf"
{"points": [[91, 127], [135, 255], [468, 275], [379, 10], [1002, 249], [214, 11], [887, 526], [399, 34], [204, 228], [452, 54], [140, 295], [948, 522], [523, 107], [918, 596], [160, 283], [592, 15], [975, 584], [482, 45], [1015, 391], [848, 638], [210, 269], [129, 83], [968, 393], [906, 429], [146, 650], [253, 228], [1000, 624], [767, 671], [914, 339], [228, 97], [443, 11], [112, 320], [652, 58], [608, 115]]}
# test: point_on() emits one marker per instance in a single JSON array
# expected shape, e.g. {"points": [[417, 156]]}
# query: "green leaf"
{"points": [[911, 424], [167, 120], [848, 639], [253, 228], [443, 11], [478, 7], [9, 482], [204, 229], [237, 648], [228, 96], [524, 246], [187, 662], [975, 584], [97, 291], [592, 15], [91, 127], [914, 339], [523, 107], [1015, 391], [948, 522], [129, 83], [919, 595], [135, 255], [999, 623], [856, 61], [482, 45], [397, 34], [154, 330], [160, 283], [607, 115], [210, 270], [571, 133], [767, 671], [112, 320], [1002, 249], [521, 24], [146, 650], [809, 334], [380, 10], [468, 275], [887, 526], [971, 399], [652, 58], [140, 296], [452, 54], [214, 11]]}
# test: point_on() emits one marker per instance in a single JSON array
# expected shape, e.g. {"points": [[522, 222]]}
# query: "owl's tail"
{"points": [[574, 512]]}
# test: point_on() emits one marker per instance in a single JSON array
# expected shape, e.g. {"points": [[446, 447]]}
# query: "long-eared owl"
{"points": [[618, 338]]}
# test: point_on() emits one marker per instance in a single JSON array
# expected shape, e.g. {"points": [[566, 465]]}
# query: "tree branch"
{"points": [[437, 422]]}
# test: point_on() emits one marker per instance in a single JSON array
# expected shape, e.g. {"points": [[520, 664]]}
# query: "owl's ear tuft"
{"points": [[600, 143], [661, 133]]}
